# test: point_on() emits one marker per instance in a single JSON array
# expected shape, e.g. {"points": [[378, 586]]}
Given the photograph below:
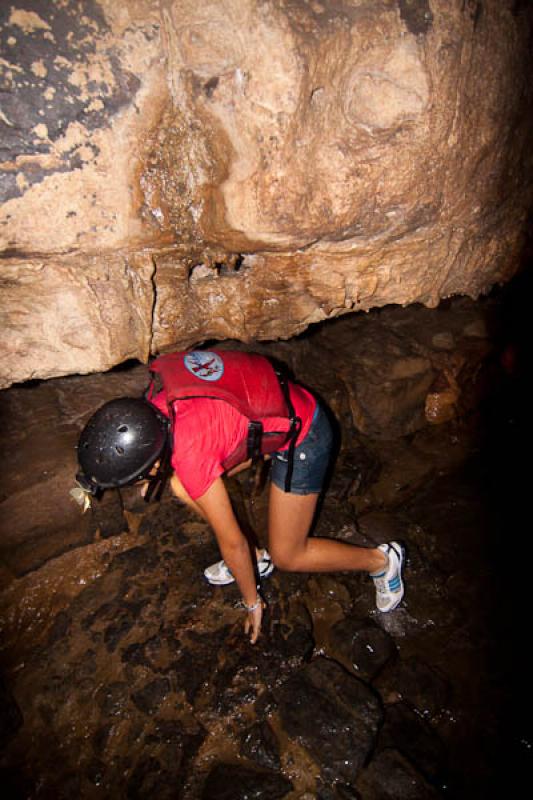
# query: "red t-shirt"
{"points": [[207, 431]]}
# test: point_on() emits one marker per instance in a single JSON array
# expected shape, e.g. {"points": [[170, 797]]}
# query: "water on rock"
{"points": [[127, 676]]}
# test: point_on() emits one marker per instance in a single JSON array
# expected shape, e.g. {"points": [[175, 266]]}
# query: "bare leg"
{"points": [[289, 522]]}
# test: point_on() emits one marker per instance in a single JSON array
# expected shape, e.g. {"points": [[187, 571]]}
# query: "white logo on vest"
{"points": [[204, 364]]}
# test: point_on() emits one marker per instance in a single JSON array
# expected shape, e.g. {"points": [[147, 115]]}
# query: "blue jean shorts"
{"points": [[311, 458]]}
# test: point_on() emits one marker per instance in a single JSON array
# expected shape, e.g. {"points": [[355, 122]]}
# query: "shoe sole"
{"points": [[402, 593], [226, 582]]}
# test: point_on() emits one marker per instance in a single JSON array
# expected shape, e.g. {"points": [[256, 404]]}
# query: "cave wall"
{"points": [[175, 171]]}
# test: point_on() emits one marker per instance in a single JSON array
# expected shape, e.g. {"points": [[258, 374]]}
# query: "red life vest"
{"points": [[246, 381]]}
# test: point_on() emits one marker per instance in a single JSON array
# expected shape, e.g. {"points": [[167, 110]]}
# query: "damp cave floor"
{"points": [[142, 682], [125, 675]]}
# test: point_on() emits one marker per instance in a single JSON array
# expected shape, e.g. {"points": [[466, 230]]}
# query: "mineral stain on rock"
{"points": [[417, 15], [53, 72]]}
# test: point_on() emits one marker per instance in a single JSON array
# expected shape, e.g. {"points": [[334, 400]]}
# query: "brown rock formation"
{"points": [[177, 171]]}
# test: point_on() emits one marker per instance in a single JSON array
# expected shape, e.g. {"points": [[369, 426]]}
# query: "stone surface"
{"points": [[40, 427], [89, 312], [127, 675], [361, 647], [10, 716], [244, 169], [234, 782], [405, 731], [392, 777], [333, 715], [383, 371], [81, 81], [418, 684], [259, 744]]}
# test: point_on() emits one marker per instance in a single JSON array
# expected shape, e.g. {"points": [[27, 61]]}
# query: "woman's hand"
{"points": [[254, 616]]}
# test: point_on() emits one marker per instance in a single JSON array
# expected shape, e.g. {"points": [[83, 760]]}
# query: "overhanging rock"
{"points": [[178, 171]]}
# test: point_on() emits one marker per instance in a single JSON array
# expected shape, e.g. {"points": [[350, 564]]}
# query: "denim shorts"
{"points": [[311, 458]]}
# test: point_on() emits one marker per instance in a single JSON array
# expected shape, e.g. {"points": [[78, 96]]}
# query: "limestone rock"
{"points": [[405, 731], [259, 744], [442, 399], [74, 316], [11, 717], [360, 646], [384, 372], [262, 165], [333, 715], [391, 777], [81, 80], [235, 782], [39, 520], [419, 684]]}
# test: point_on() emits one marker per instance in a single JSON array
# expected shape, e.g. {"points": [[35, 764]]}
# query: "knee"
{"points": [[283, 560]]}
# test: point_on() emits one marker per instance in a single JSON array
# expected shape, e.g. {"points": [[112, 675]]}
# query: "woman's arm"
{"points": [[215, 506], [182, 494]]}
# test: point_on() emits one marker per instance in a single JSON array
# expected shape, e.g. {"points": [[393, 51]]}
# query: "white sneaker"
{"points": [[389, 584], [219, 574]]}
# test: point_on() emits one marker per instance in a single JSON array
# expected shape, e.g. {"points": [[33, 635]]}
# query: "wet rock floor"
{"points": [[127, 676]]}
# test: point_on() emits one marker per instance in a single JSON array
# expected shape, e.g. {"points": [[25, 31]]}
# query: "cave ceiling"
{"points": [[174, 172]]}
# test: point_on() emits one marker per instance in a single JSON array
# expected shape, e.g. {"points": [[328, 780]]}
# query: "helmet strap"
{"points": [[157, 483], [88, 485]]}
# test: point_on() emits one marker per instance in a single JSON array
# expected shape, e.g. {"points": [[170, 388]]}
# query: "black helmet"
{"points": [[120, 444]]}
